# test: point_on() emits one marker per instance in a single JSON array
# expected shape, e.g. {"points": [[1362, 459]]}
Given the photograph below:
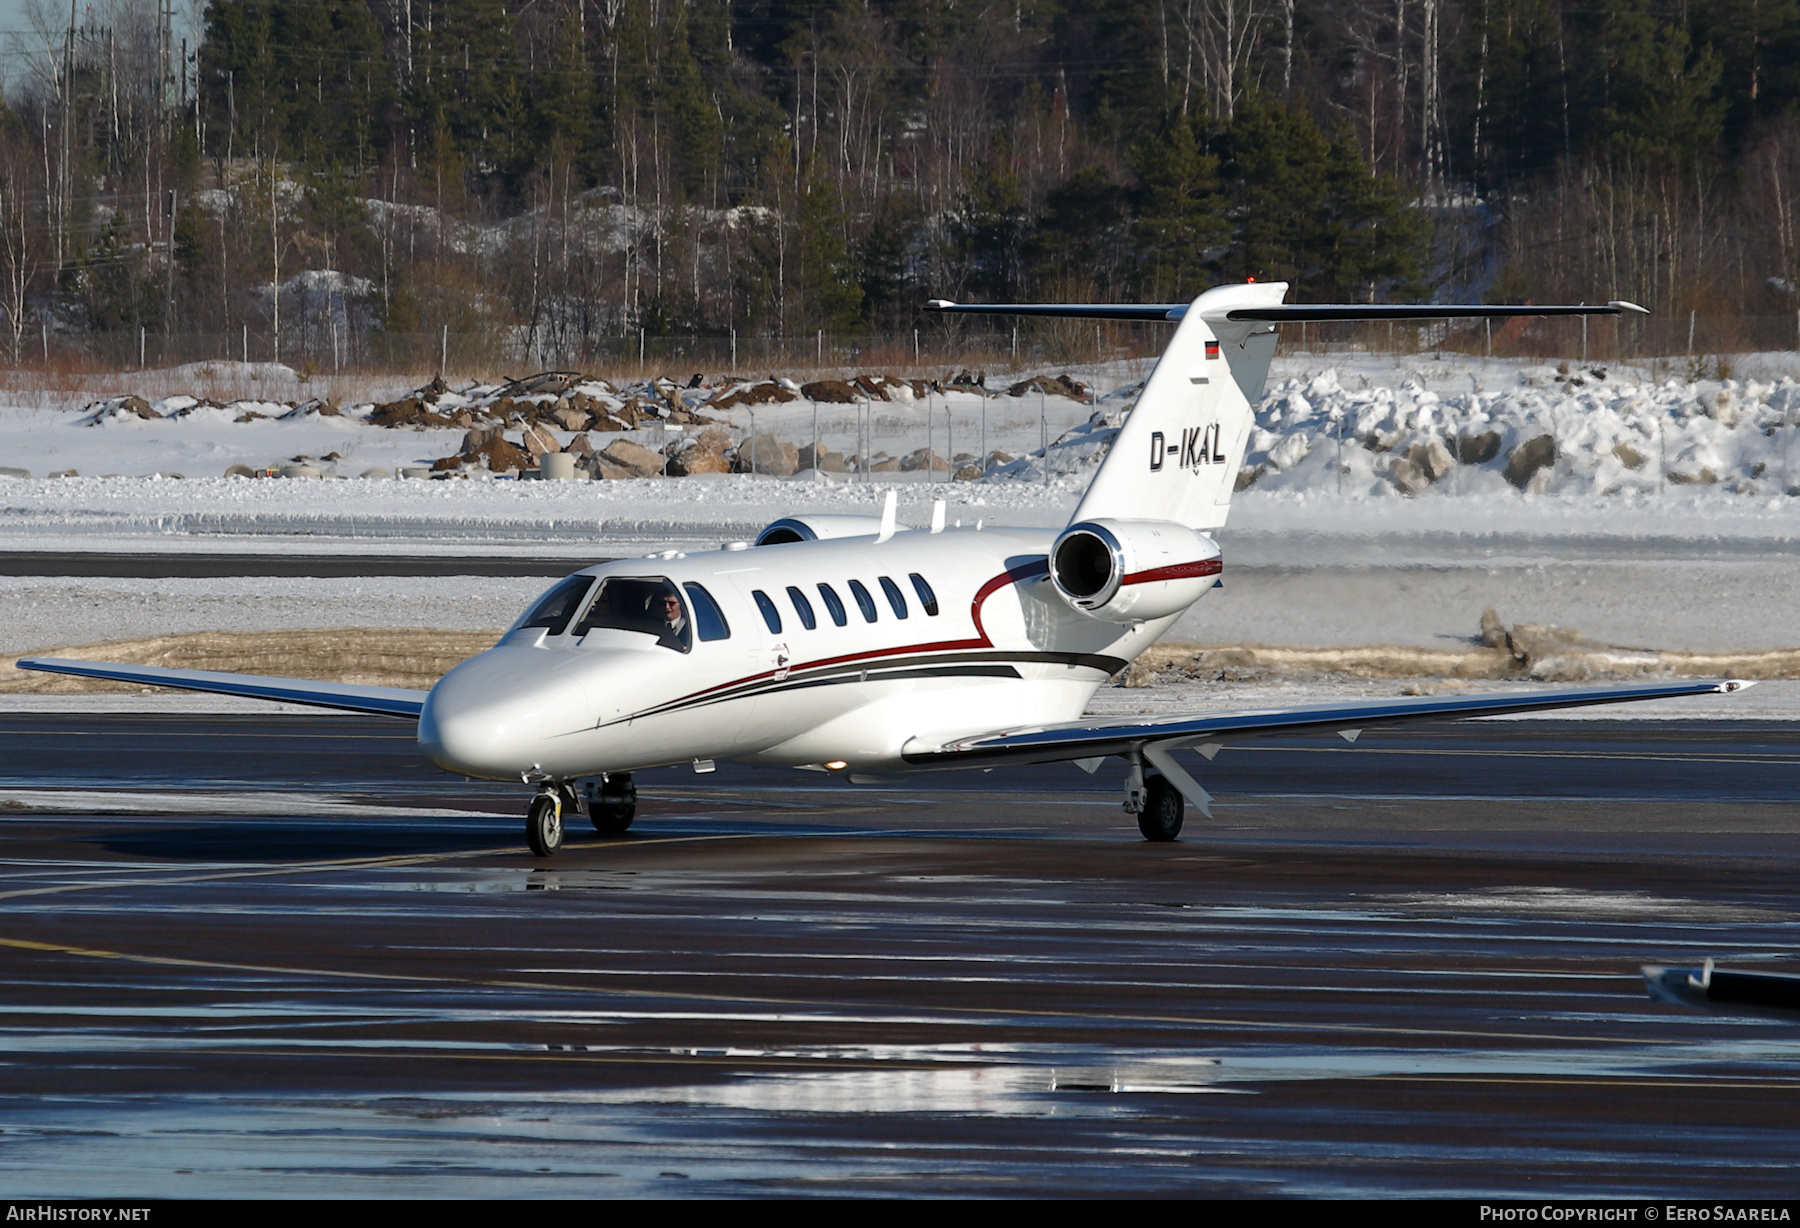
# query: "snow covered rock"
{"points": [[635, 459], [1524, 461]]}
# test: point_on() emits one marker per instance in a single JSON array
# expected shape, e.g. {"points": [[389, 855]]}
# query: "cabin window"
{"points": [[556, 607], [895, 597], [927, 598], [709, 619], [864, 602], [771, 615], [802, 607], [650, 605], [832, 604]]}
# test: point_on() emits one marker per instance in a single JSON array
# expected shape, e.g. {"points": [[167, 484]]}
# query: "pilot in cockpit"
{"points": [[673, 632]]}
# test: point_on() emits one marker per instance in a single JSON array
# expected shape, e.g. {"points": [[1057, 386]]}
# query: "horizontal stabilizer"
{"points": [[1086, 739], [1290, 313], [377, 700], [1294, 313]]}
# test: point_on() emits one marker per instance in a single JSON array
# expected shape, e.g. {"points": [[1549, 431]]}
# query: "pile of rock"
{"points": [[1061, 386], [1424, 463]]}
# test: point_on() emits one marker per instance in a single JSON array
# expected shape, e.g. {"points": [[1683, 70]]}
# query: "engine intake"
{"points": [[1132, 570], [815, 527]]}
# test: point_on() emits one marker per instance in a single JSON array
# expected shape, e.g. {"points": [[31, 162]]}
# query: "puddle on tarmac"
{"points": [[1566, 903], [851, 1113]]}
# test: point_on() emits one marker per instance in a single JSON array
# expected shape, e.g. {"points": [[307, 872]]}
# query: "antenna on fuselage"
{"points": [[887, 519]]}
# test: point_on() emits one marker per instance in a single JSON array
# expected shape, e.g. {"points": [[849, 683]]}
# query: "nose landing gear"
{"points": [[544, 823], [610, 803]]}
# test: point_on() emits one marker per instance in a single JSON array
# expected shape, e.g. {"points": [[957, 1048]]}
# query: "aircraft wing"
{"points": [[1102, 736], [378, 700], [1290, 313]]}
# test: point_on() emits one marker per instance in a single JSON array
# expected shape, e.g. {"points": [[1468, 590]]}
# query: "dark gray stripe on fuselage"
{"points": [[946, 665]]}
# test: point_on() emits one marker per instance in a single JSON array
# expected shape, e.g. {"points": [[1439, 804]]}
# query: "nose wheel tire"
{"points": [[1160, 819], [543, 826]]}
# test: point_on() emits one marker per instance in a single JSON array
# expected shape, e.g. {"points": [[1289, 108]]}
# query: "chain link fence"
{"points": [[313, 348]]}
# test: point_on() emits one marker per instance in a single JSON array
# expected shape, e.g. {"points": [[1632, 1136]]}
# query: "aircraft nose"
{"points": [[480, 721]]}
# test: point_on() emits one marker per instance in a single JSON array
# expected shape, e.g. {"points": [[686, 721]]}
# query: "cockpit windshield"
{"points": [[651, 605], [556, 607]]}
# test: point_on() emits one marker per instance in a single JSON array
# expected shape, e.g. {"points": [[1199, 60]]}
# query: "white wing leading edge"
{"points": [[1099, 737], [376, 700]]}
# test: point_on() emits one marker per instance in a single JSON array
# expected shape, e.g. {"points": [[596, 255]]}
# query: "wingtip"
{"points": [[1626, 306], [1736, 684], [939, 304]]}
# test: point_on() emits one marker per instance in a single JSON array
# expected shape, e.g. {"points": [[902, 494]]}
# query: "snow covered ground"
{"points": [[1696, 546]]}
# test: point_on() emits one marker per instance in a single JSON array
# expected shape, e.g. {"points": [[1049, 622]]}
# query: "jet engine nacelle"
{"points": [[814, 528], [1132, 570]]}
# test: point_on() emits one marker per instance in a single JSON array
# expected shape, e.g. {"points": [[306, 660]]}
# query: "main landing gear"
{"points": [[1160, 819], [1155, 801], [610, 803]]}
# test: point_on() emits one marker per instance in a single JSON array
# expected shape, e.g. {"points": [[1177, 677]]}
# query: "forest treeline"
{"points": [[563, 171]]}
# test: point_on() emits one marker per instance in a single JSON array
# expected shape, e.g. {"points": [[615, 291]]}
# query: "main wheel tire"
{"points": [[1160, 819], [613, 804], [611, 819], [543, 826]]}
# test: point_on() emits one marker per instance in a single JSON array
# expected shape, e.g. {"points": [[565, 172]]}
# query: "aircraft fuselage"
{"points": [[918, 639]]}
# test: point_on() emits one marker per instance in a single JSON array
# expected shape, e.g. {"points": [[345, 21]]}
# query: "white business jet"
{"points": [[848, 645]]}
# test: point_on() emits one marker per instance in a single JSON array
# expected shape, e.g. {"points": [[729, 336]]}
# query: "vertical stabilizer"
{"points": [[1178, 454]]}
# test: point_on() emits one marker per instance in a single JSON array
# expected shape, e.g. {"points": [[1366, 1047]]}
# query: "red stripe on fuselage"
{"points": [[1180, 571]]}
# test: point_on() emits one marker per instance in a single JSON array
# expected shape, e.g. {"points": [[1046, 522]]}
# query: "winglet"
{"points": [[1623, 305], [937, 516], [887, 519]]}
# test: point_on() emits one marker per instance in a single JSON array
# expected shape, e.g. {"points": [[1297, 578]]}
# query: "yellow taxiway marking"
{"points": [[346, 863]]}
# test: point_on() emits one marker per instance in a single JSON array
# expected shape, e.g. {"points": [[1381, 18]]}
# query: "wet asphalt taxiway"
{"points": [[277, 955]]}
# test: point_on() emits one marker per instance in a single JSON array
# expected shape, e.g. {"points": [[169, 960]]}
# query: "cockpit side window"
{"points": [[556, 607], [651, 605], [833, 603], [864, 602], [709, 619], [771, 615], [802, 607], [895, 597]]}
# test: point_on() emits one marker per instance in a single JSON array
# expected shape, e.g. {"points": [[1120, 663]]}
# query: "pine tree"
{"points": [[1280, 169], [1369, 243], [986, 232], [824, 279], [1181, 227], [1078, 247]]}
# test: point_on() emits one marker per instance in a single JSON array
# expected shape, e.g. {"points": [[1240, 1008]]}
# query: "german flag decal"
{"points": [[1212, 349]]}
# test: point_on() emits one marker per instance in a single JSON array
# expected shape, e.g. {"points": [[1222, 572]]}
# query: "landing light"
{"points": [[837, 765]]}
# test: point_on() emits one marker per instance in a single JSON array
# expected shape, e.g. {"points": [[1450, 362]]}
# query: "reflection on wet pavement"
{"points": [[360, 984]]}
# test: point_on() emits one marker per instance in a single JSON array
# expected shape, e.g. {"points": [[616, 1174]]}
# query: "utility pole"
{"points": [[62, 173], [165, 59], [275, 252], [169, 272]]}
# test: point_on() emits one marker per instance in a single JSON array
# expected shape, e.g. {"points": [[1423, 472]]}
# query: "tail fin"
{"points": [[1178, 454]]}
